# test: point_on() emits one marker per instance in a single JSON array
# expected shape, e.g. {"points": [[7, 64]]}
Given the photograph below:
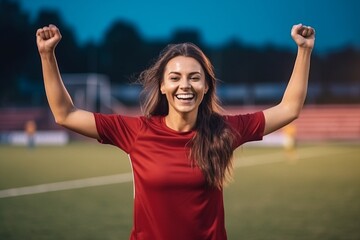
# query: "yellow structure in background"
{"points": [[289, 143]]}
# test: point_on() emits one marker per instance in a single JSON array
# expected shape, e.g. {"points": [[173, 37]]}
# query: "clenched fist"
{"points": [[304, 36], [47, 38]]}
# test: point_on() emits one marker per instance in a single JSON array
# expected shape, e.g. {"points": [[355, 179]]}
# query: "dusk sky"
{"points": [[255, 22]]}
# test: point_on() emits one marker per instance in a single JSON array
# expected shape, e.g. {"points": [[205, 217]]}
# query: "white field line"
{"points": [[128, 177], [66, 185]]}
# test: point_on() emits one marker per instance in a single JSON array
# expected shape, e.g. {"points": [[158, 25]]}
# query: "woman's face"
{"points": [[184, 85]]}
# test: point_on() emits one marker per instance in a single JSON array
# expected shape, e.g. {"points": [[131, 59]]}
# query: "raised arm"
{"points": [[293, 99], [61, 105]]}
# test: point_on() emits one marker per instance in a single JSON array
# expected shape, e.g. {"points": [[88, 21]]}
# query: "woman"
{"points": [[181, 149]]}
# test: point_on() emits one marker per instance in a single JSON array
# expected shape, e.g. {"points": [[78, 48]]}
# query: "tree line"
{"points": [[123, 54]]}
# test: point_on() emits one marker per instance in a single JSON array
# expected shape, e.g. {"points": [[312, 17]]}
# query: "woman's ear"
{"points": [[206, 89], [162, 88]]}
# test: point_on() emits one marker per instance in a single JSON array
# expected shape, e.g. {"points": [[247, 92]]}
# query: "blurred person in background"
{"points": [[30, 131], [289, 143], [181, 148]]}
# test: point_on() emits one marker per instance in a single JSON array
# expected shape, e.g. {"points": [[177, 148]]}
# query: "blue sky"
{"points": [[255, 22]]}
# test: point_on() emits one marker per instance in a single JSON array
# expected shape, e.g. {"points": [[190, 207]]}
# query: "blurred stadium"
{"points": [[301, 182]]}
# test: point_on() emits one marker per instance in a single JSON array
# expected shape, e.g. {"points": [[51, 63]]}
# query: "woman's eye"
{"points": [[174, 78], [195, 78]]}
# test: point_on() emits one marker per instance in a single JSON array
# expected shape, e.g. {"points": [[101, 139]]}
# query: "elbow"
{"points": [[60, 121], [62, 116], [294, 116], [293, 112]]}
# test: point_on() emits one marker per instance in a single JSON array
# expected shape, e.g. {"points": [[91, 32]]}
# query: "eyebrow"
{"points": [[178, 73]]}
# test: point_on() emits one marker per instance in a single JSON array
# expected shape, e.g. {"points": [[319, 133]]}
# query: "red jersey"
{"points": [[171, 198]]}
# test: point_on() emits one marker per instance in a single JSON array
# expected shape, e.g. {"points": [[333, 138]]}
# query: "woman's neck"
{"points": [[181, 122]]}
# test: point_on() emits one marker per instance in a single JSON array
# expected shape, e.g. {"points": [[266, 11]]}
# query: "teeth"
{"points": [[185, 96]]}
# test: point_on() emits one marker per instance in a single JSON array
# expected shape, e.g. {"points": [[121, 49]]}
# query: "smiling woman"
{"points": [[187, 100], [184, 86], [181, 149]]}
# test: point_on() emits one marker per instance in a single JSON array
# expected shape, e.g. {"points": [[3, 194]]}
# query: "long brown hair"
{"points": [[211, 148]]}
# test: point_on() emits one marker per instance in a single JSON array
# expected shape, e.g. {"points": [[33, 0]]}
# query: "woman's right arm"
{"points": [[61, 105]]}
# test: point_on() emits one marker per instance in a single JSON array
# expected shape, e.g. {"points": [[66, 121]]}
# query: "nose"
{"points": [[185, 83]]}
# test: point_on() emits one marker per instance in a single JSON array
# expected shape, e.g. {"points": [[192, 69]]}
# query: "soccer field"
{"points": [[84, 191]]}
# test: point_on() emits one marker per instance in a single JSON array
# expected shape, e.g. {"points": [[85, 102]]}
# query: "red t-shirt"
{"points": [[171, 200]]}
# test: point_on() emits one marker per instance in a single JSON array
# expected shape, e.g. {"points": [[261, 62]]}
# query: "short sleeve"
{"points": [[248, 127], [118, 130]]}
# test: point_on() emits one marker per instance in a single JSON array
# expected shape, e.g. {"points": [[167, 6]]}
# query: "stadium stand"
{"points": [[322, 122], [316, 122]]}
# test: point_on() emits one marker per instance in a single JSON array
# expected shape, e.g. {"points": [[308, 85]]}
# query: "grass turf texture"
{"points": [[312, 195]]}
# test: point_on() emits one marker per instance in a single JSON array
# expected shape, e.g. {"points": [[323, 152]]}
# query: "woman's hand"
{"points": [[47, 38], [304, 36]]}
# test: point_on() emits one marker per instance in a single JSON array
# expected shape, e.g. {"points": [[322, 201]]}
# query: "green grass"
{"points": [[20, 166], [313, 194]]}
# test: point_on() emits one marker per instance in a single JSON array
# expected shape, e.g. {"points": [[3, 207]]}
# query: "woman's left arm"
{"points": [[293, 99]]}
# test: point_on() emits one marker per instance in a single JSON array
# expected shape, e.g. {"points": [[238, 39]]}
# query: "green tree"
{"points": [[121, 54], [14, 49]]}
